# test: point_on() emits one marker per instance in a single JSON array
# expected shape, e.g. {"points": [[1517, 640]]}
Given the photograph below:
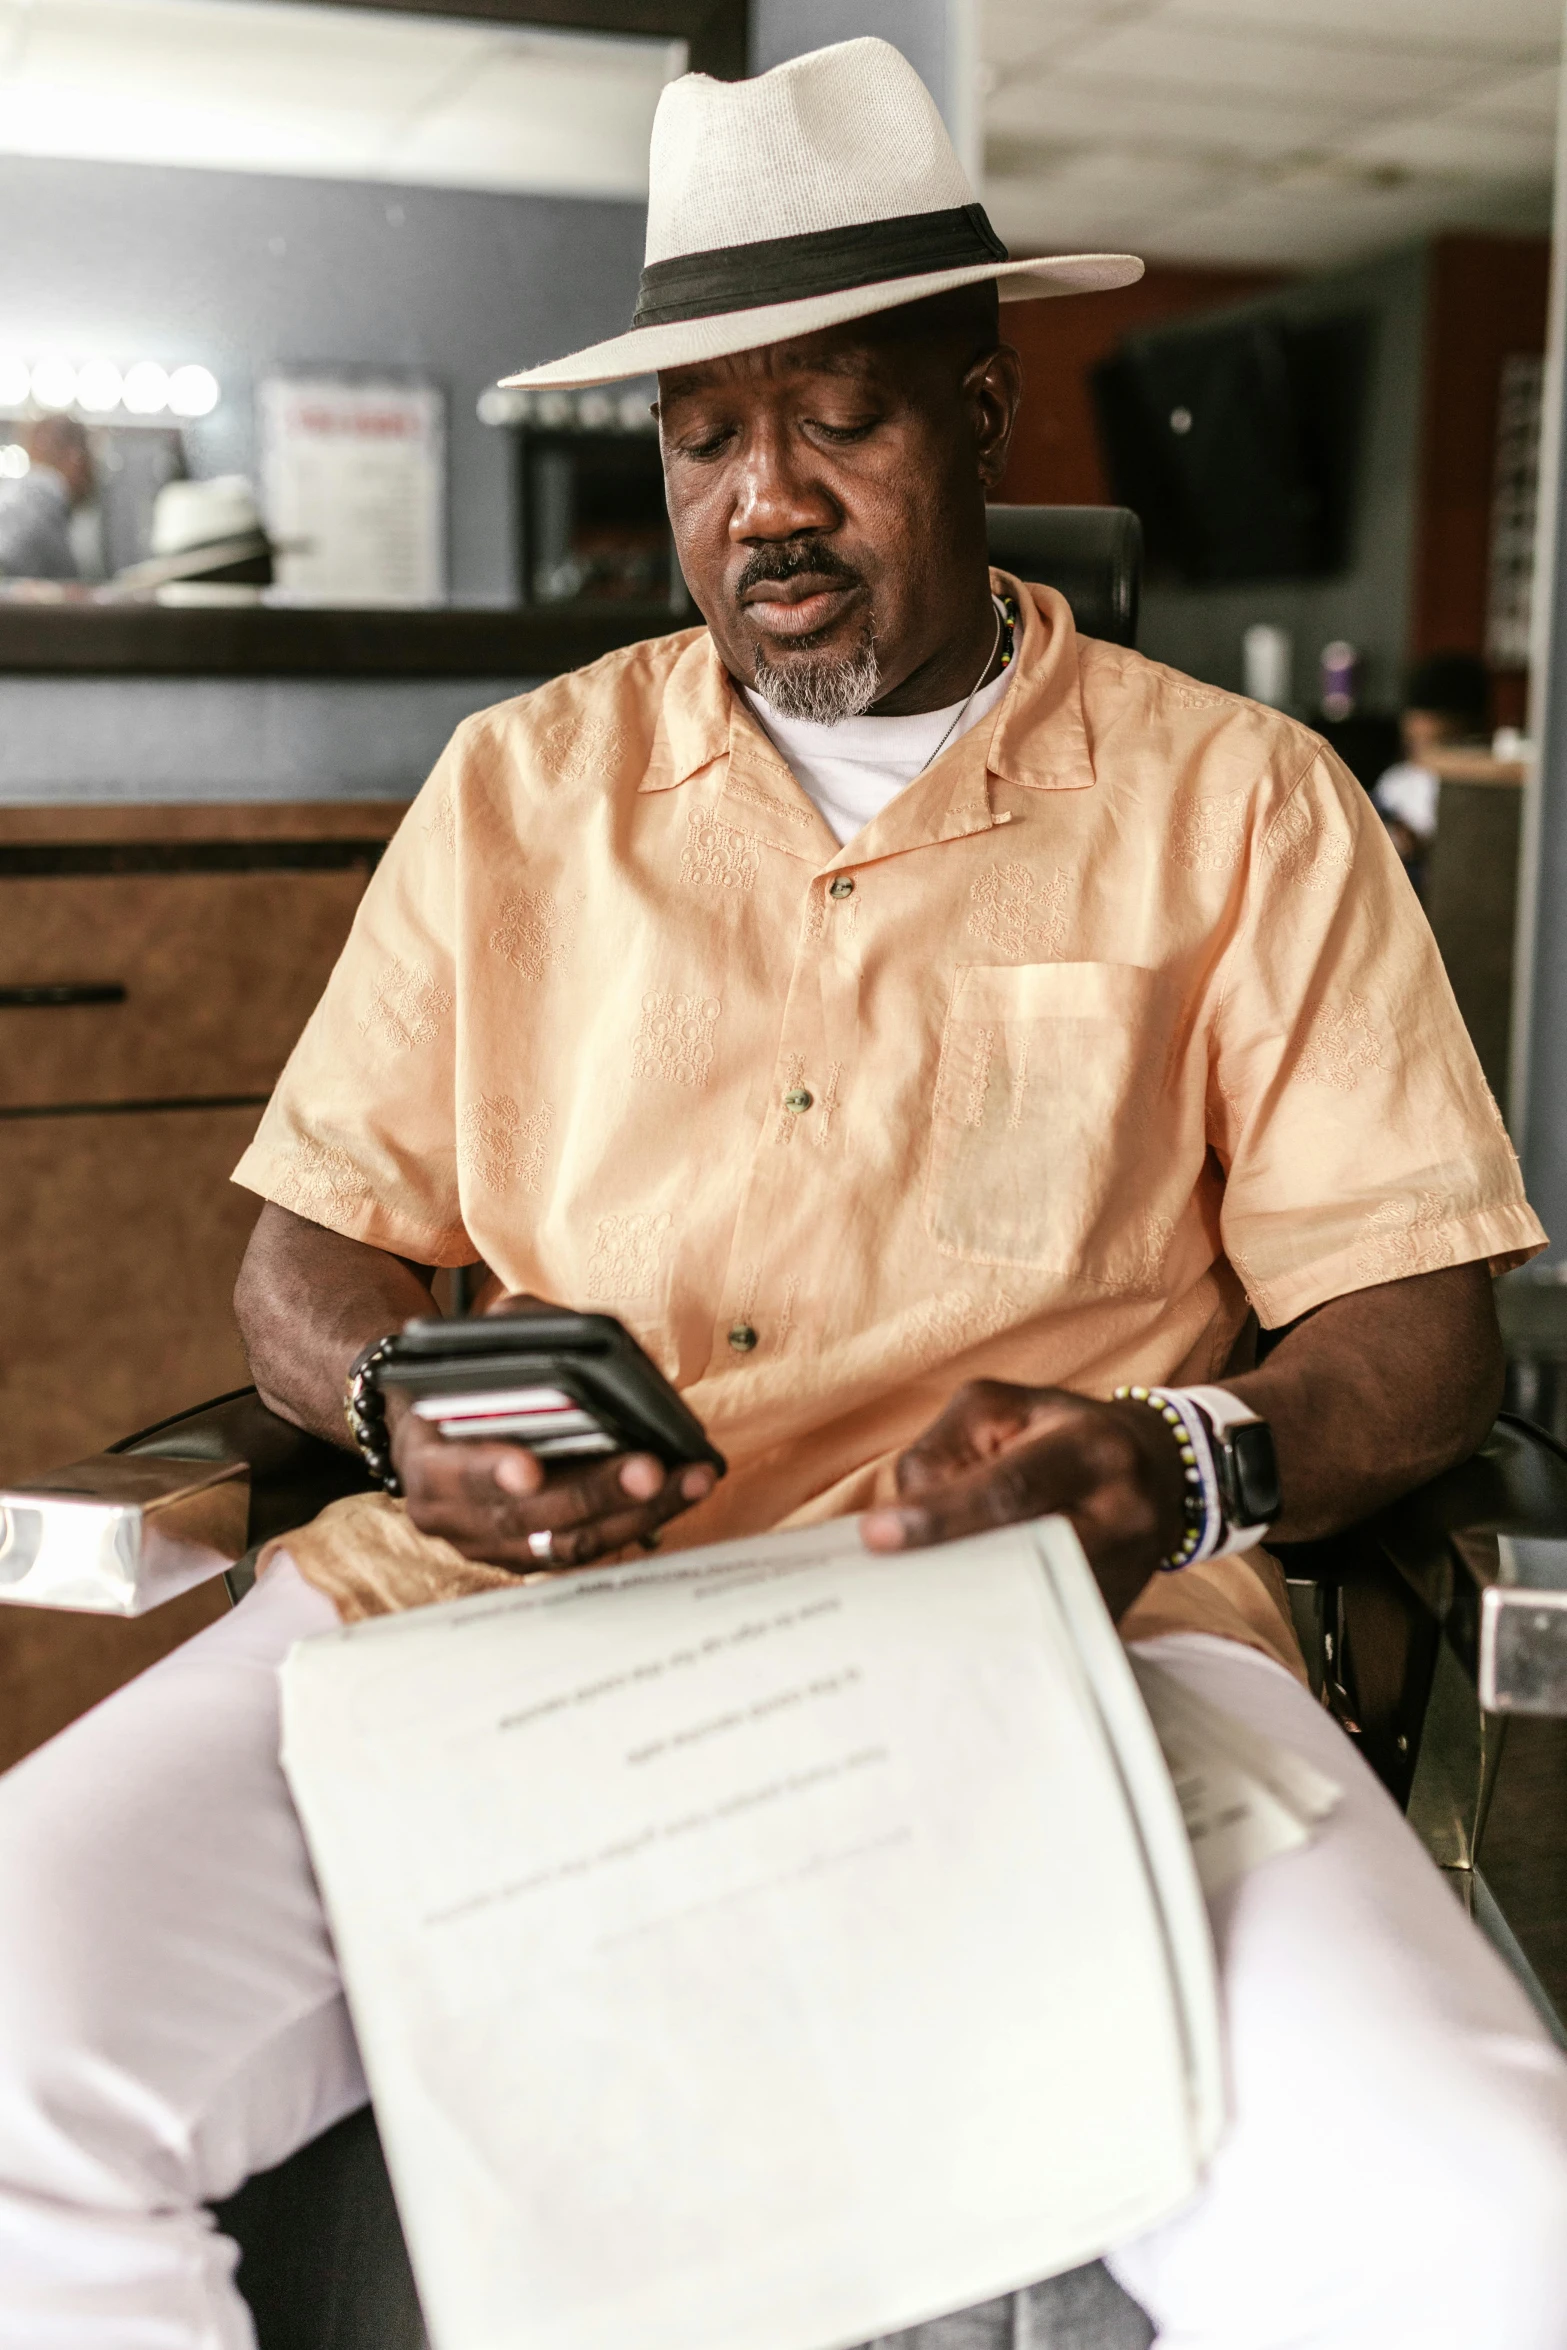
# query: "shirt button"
{"points": [[798, 1100], [742, 1338], [843, 887]]}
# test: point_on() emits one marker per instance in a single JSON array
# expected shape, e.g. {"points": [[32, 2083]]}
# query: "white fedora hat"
{"points": [[824, 190]]}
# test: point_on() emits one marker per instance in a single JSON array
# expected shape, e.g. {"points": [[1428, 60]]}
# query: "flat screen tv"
{"points": [[1239, 444]]}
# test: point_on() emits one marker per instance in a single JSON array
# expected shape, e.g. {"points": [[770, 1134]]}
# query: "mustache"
{"points": [[794, 562]]}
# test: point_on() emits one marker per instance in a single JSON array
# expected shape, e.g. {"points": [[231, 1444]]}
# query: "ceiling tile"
{"points": [[1515, 27], [1057, 217], [1131, 178], [1531, 97], [1461, 145], [1060, 106], [1309, 222], [1014, 33], [1294, 132], [1256, 68]]}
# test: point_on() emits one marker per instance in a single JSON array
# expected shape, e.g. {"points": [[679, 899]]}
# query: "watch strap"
{"points": [[1224, 1412]]}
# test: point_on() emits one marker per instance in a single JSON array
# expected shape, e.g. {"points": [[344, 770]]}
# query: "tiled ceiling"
{"points": [[1298, 133], [339, 93]]}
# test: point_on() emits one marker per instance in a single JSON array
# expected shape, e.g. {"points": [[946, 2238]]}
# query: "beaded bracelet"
{"points": [[1199, 1493], [364, 1408]]}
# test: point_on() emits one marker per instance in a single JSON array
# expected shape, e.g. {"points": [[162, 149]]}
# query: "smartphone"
{"points": [[561, 1383]]}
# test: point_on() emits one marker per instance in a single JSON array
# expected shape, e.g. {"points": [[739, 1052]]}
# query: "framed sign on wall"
{"points": [[353, 485]]}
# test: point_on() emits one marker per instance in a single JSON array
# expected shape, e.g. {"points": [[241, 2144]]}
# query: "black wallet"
{"points": [[559, 1382]]}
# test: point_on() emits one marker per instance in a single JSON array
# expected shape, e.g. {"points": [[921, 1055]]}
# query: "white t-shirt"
{"points": [[1409, 794], [853, 769]]}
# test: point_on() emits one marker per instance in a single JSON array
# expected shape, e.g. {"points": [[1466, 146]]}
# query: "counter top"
{"points": [[351, 821], [294, 640], [1475, 766]]}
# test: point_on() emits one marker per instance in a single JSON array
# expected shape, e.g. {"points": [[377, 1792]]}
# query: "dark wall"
{"points": [[1056, 457], [1199, 629], [245, 272], [1486, 303]]}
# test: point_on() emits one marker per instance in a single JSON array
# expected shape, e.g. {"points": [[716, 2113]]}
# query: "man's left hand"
{"points": [[1000, 1453]]}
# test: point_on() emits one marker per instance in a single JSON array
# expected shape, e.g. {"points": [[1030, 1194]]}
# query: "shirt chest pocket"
{"points": [[1051, 1142]]}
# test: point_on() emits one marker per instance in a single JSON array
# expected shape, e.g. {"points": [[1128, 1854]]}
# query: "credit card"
{"points": [[488, 1401]]}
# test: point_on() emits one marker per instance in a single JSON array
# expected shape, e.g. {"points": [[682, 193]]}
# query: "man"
{"points": [[918, 1023], [35, 512]]}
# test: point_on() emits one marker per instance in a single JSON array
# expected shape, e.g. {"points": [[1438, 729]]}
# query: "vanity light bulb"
{"points": [[146, 391], [54, 383], [193, 391], [16, 383], [14, 461], [98, 387]]}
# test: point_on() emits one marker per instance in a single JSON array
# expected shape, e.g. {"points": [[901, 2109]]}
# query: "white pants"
{"points": [[171, 2021]]}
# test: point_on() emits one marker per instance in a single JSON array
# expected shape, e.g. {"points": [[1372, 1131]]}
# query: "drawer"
{"points": [[120, 1242], [156, 985]]}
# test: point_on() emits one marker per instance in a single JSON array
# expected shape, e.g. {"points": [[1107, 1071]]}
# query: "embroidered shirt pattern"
{"points": [[504, 1144], [1207, 834], [407, 1008], [1396, 1235], [529, 934], [1305, 851], [676, 1038], [1018, 911], [716, 856], [1341, 1046], [624, 1265], [584, 750], [322, 1181]]}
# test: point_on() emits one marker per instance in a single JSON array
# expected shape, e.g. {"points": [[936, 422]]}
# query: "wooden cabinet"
{"points": [[168, 983], [155, 968], [156, 965], [122, 1236]]}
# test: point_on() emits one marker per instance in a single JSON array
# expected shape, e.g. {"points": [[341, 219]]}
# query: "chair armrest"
{"points": [[293, 1475], [166, 1509], [1483, 1550]]}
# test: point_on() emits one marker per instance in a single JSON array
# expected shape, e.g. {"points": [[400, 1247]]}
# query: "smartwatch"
{"points": [[1245, 1466]]}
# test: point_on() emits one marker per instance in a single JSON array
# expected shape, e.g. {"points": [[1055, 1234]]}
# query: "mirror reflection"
{"points": [[284, 251]]}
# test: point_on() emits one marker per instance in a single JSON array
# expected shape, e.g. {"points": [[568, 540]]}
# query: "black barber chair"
{"points": [[1093, 554], [1414, 1601]]}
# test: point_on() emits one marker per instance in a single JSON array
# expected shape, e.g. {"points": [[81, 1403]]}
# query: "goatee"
{"points": [[823, 688]]}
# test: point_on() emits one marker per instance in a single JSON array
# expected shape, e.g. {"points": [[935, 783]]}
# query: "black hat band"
{"points": [[824, 261]]}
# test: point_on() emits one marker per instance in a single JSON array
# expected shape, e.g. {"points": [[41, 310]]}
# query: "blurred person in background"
{"points": [[1447, 704], [35, 512]]}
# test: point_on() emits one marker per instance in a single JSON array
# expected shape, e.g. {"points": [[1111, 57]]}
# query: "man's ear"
{"points": [[992, 388]]}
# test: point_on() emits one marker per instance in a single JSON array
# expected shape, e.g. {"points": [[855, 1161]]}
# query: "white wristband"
{"points": [[1224, 1410]]}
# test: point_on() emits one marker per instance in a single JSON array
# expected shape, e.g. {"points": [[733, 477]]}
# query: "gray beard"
{"points": [[823, 690]]}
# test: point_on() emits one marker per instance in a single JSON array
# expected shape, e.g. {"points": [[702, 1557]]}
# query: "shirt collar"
{"points": [[1038, 737]]}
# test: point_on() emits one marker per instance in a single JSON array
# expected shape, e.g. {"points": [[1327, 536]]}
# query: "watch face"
{"points": [[1256, 1473]]}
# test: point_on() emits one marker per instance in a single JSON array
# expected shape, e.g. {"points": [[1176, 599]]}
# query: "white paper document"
{"points": [[765, 1948]]}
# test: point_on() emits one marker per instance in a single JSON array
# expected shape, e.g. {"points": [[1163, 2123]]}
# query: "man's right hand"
{"points": [[487, 1499], [309, 1299]]}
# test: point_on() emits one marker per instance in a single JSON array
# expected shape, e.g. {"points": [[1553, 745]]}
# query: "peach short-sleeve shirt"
{"points": [[1119, 1017]]}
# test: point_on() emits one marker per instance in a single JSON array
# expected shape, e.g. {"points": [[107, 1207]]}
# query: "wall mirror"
{"points": [[277, 255]]}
